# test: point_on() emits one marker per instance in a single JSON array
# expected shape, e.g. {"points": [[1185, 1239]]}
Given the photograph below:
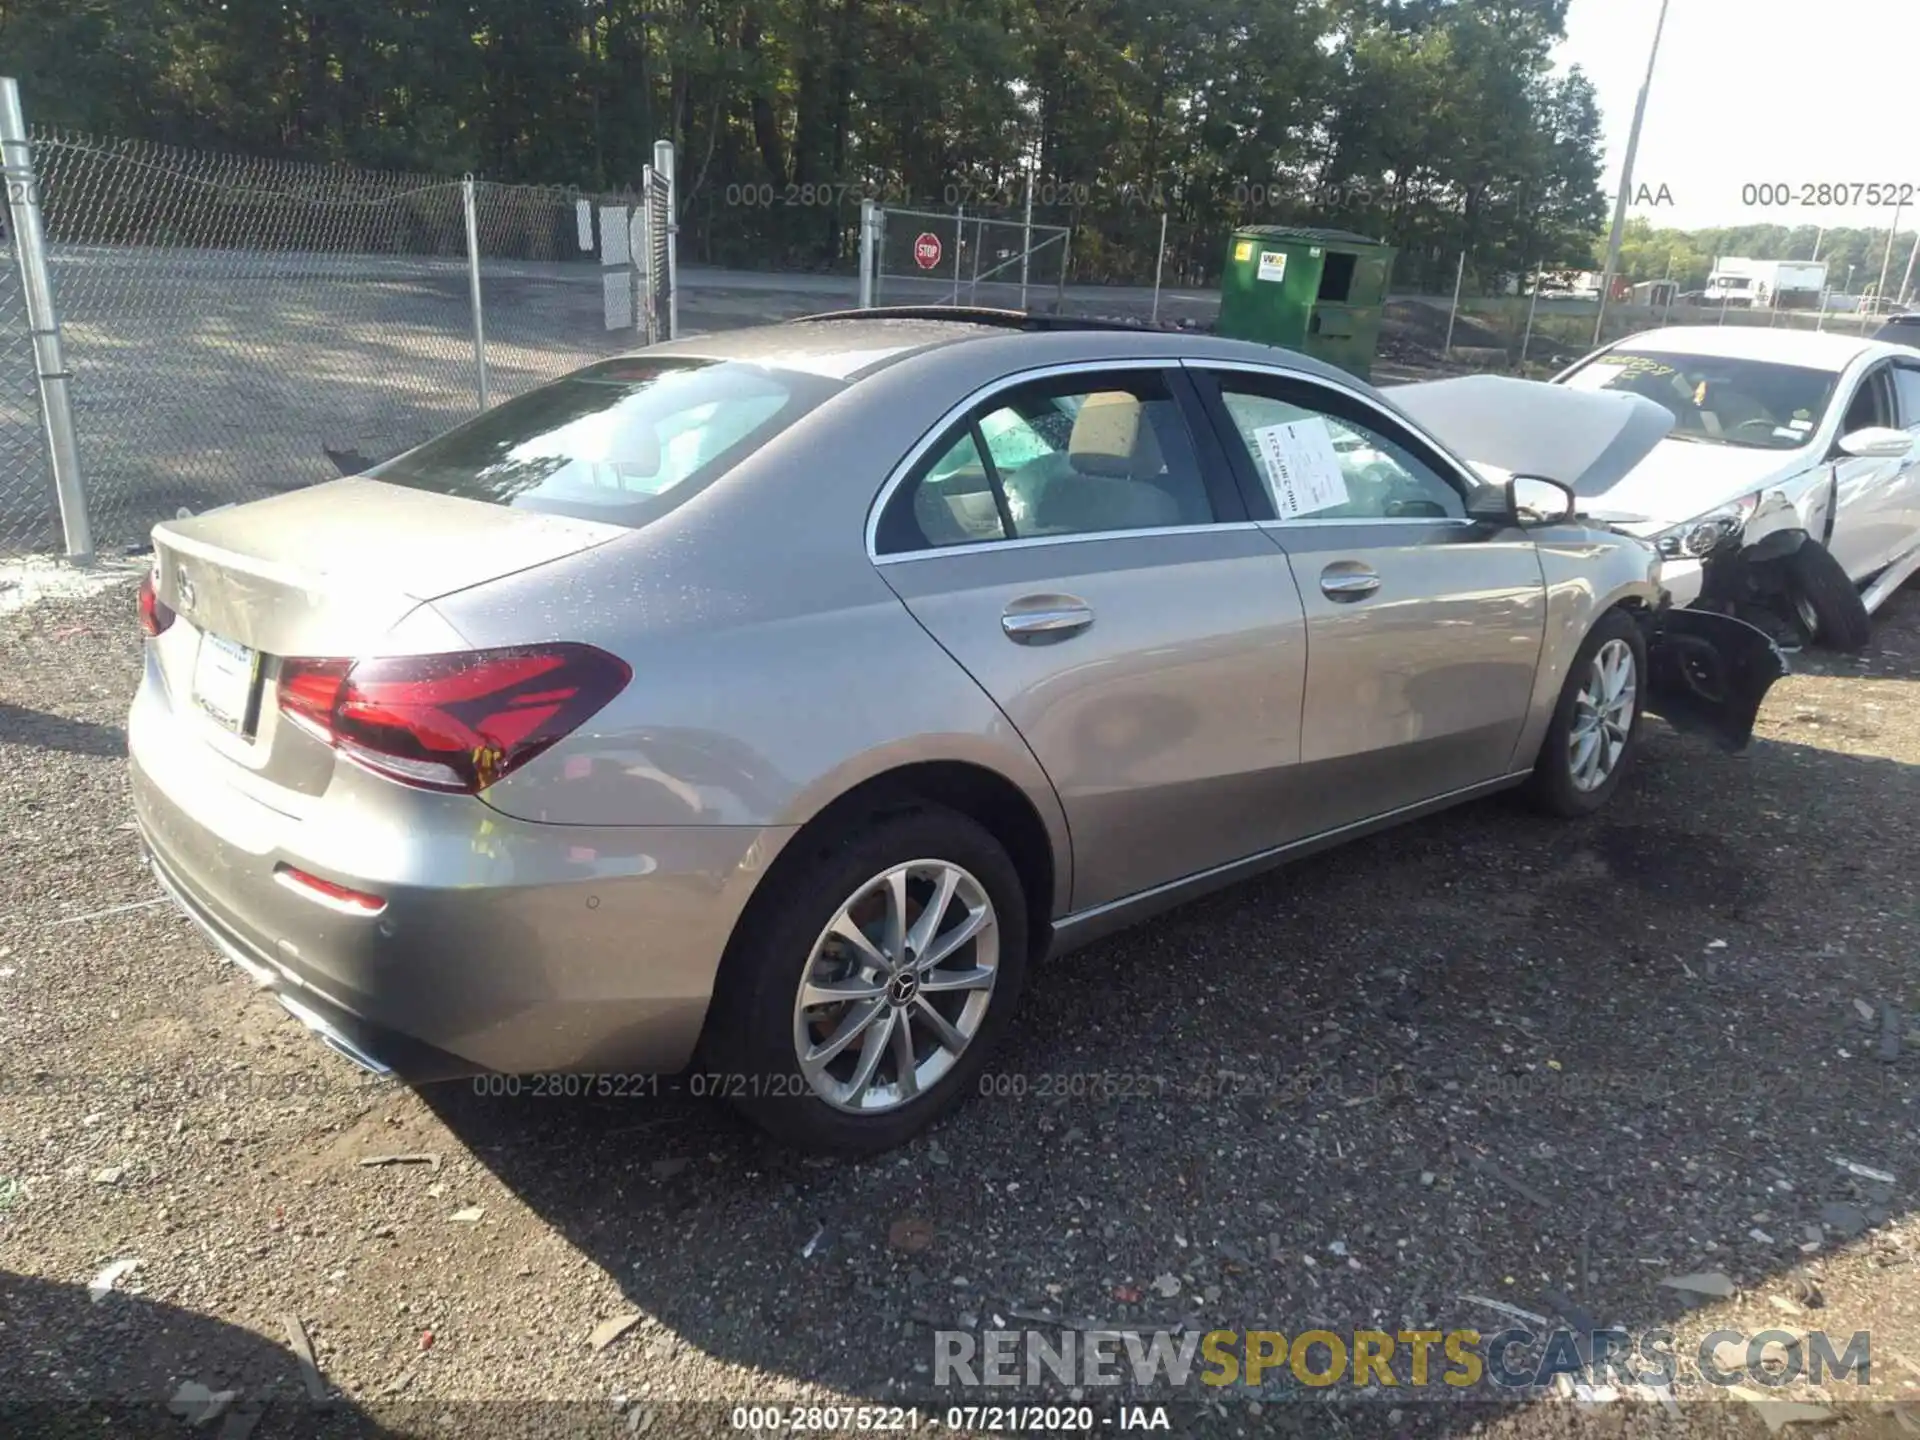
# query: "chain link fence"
{"points": [[27, 506], [238, 327], [962, 257]]}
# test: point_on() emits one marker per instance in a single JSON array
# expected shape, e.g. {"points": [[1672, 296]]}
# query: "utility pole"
{"points": [[1886, 262], [1626, 179]]}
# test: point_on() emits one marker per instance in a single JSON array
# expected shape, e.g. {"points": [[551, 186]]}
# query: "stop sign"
{"points": [[926, 250]]}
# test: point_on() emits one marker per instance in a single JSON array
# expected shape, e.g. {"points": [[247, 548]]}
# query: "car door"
{"points": [[1424, 628], [1868, 525], [1076, 543]]}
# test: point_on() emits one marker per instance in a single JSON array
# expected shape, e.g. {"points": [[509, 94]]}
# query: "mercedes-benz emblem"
{"points": [[903, 987]]}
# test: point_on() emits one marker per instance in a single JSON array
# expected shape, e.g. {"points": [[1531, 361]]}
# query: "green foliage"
{"points": [[1435, 124], [1854, 258]]}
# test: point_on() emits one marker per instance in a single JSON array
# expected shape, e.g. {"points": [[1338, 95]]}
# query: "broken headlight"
{"points": [[1704, 534]]}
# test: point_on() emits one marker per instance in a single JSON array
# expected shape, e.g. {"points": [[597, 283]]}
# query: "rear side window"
{"points": [[622, 441], [1090, 453]]}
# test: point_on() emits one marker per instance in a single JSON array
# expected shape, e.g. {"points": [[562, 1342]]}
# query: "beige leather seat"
{"points": [[1119, 476]]}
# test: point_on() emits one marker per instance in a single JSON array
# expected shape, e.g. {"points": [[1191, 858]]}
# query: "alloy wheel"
{"points": [[897, 987], [1602, 716]]}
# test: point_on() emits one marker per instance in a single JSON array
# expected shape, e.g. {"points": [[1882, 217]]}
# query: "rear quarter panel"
{"points": [[773, 669]]}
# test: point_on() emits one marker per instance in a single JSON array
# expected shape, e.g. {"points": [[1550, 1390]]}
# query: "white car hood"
{"points": [[1682, 479]]}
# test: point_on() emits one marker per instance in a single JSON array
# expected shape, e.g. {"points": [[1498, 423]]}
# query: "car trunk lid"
{"points": [[342, 570], [330, 569]]}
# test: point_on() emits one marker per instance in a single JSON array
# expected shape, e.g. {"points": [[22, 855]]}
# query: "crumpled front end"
{"points": [[1710, 673]]}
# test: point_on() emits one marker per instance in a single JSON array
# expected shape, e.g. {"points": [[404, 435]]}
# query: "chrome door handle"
{"points": [[1348, 585], [1056, 623]]}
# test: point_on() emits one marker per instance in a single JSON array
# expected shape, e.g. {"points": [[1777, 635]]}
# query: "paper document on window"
{"points": [[1303, 472]]}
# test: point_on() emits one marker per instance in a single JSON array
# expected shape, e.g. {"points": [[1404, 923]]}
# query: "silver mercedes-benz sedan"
{"points": [[767, 702]]}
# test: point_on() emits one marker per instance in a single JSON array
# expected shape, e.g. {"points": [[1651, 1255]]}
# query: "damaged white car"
{"points": [[1788, 491]]}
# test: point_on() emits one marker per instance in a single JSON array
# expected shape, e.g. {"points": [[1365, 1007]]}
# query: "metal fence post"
{"points": [[1459, 280], [867, 221], [1026, 238], [473, 291], [1159, 264], [663, 163], [646, 281], [1533, 308], [36, 286], [959, 244]]}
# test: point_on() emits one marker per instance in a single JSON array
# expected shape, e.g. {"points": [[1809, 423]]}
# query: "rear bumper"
{"points": [[377, 1051], [527, 948]]}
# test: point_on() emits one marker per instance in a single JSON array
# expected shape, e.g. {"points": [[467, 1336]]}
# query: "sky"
{"points": [[1751, 92]]}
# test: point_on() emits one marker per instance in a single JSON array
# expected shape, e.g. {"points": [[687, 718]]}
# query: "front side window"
{"points": [[1072, 456], [1872, 405], [1906, 380], [1319, 465], [1719, 399], [621, 441]]}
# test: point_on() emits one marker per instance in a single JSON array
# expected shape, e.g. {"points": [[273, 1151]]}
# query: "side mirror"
{"points": [[1877, 442], [1524, 500]]}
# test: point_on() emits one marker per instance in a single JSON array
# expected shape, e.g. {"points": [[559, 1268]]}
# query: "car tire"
{"points": [[1565, 780], [1825, 601], [752, 1051]]}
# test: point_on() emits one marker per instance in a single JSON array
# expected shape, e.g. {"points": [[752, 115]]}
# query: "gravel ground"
{"points": [[1483, 1055]]}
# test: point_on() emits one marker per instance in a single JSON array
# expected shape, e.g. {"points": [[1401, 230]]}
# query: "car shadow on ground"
{"points": [[54, 1382], [57, 732], [1482, 1055]]}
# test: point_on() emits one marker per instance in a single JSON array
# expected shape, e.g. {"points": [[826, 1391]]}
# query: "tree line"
{"points": [[1436, 125], [1855, 258]]}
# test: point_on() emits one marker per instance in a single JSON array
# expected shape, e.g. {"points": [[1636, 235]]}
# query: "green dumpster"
{"points": [[1318, 291]]}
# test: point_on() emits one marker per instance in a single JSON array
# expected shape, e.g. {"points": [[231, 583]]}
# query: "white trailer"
{"points": [[1766, 284]]}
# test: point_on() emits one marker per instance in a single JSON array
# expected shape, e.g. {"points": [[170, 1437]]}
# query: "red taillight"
{"points": [[155, 614], [328, 892], [450, 722]]}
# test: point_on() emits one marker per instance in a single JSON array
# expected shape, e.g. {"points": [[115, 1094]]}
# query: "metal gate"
{"points": [[959, 257], [656, 251], [638, 245]]}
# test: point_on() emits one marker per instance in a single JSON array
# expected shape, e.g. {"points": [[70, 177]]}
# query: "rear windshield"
{"points": [[622, 441], [1718, 399]]}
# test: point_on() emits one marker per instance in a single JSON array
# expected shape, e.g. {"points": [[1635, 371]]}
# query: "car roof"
{"points": [[1813, 350], [848, 348], [837, 349]]}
